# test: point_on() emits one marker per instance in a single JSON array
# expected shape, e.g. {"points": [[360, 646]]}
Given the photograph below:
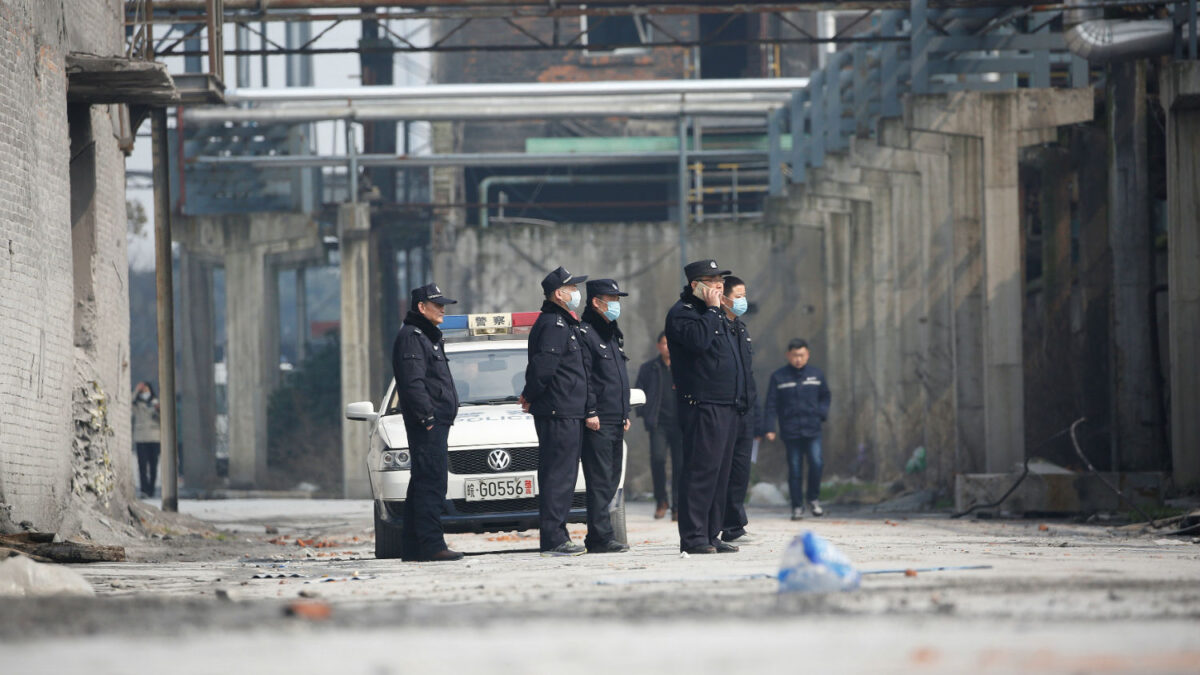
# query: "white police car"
{"points": [[492, 484]]}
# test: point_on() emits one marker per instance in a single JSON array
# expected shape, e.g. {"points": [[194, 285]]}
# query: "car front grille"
{"points": [[464, 507], [476, 460]]}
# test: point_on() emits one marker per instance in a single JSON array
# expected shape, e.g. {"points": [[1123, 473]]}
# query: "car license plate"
{"points": [[508, 487]]}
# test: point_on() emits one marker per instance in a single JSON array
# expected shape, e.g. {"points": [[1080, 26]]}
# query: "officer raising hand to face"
{"points": [[711, 382]]}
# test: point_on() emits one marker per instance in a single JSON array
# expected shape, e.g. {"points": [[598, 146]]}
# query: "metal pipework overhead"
{"points": [[519, 90], [484, 159], [752, 105]]}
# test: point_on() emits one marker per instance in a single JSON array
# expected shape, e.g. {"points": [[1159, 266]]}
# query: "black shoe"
{"points": [[743, 538], [612, 546], [703, 548], [445, 555], [723, 547], [567, 548]]}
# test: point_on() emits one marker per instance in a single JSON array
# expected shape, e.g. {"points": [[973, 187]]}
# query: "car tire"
{"points": [[617, 516], [388, 538]]}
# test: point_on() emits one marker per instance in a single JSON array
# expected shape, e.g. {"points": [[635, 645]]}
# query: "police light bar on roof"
{"points": [[490, 324]]}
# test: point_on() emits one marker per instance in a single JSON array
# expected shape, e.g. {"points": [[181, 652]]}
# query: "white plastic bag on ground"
{"points": [[813, 565], [22, 577]]}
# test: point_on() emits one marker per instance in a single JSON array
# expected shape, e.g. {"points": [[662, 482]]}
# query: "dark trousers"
{"points": [[666, 438], [798, 451], [734, 524], [426, 498], [709, 432], [602, 473], [559, 446], [147, 454]]}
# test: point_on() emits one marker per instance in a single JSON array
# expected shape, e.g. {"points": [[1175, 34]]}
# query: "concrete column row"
{"points": [[924, 278]]}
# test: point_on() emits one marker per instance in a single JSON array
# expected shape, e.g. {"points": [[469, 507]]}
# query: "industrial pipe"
{"points": [[520, 90], [1107, 40], [484, 159]]}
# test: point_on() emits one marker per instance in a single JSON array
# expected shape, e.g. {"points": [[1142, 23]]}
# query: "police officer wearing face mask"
{"points": [[429, 403], [556, 393], [748, 423], [608, 411], [712, 384]]}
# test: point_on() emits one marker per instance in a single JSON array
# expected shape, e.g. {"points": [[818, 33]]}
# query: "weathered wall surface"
{"points": [[64, 314]]}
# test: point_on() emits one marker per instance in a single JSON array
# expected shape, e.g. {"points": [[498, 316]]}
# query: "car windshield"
{"points": [[488, 376], [483, 377]]}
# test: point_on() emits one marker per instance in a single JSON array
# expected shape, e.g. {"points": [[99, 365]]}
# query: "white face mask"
{"points": [[145, 396], [574, 301]]}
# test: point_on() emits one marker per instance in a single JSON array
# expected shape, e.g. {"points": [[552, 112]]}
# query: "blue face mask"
{"points": [[573, 303], [613, 311], [740, 305]]}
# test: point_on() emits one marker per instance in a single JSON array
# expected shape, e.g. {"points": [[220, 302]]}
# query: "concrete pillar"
{"points": [[1004, 121], [301, 314], [362, 354], [966, 190], [1179, 88], [197, 389], [252, 358], [1135, 401]]}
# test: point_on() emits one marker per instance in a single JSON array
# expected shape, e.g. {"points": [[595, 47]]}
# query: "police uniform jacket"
{"points": [[746, 350], [427, 393], [799, 399], [556, 379], [704, 357], [608, 388]]}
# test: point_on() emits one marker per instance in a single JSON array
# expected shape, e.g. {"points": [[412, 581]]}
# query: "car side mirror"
{"points": [[636, 397], [363, 411]]}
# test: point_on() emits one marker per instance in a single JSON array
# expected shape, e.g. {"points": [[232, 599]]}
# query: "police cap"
{"points": [[597, 287], [704, 268], [430, 293], [559, 278]]}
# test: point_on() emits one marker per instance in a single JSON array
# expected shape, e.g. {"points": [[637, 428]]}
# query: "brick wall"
{"points": [[46, 379]]}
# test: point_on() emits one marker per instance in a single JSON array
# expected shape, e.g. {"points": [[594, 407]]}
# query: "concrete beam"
{"points": [[1179, 87], [198, 413]]}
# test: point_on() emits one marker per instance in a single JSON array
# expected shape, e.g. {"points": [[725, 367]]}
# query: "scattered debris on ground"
{"points": [[41, 547]]}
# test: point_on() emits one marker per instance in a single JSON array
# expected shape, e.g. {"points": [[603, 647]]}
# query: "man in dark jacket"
{"points": [[662, 424], [712, 388], [734, 527], [799, 398], [429, 404], [608, 411], [556, 393]]}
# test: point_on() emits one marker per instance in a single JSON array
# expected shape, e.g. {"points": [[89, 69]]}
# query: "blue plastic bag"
{"points": [[813, 565]]}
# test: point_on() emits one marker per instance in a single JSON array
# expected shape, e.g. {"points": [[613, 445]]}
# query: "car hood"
{"points": [[482, 425]]}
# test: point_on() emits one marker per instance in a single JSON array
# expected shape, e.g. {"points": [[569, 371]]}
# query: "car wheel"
{"points": [[617, 515], [388, 538]]}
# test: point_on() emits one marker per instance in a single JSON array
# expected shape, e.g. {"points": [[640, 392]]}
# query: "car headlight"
{"points": [[395, 460]]}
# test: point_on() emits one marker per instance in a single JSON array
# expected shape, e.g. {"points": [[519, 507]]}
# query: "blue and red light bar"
{"points": [[490, 324]]}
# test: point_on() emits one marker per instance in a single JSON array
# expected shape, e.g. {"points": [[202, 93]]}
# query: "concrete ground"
{"points": [[1058, 597]]}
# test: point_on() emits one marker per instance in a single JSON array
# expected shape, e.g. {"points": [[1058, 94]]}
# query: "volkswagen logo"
{"points": [[499, 460]]}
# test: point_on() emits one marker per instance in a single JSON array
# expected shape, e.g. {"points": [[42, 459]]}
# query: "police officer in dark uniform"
{"points": [[429, 404], [555, 393], [749, 423], [608, 411], [712, 388]]}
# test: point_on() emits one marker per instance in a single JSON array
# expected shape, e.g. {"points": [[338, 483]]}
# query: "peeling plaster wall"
{"points": [[64, 311]]}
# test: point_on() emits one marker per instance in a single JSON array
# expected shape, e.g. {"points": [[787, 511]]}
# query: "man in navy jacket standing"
{"points": [[429, 404], [607, 409], [556, 392], [798, 396], [712, 387]]}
